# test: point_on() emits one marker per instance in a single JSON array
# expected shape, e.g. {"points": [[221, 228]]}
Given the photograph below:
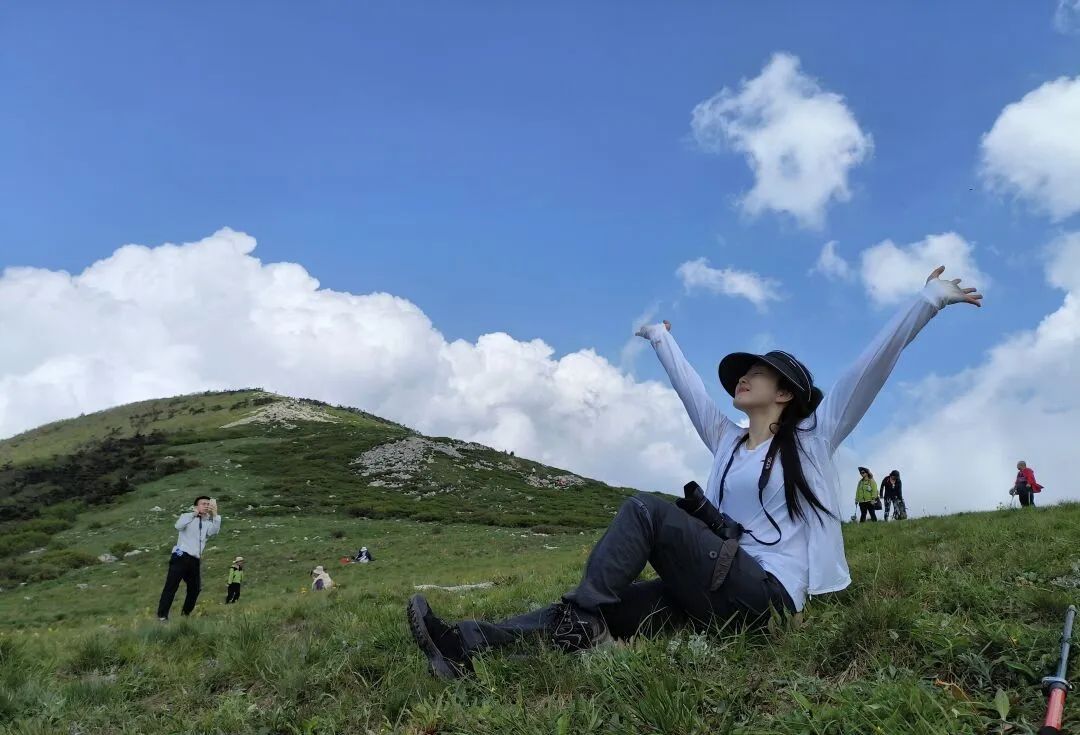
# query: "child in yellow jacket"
{"points": [[236, 578]]}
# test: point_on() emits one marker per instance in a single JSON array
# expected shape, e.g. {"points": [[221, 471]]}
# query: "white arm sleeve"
{"points": [[848, 401], [704, 415]]}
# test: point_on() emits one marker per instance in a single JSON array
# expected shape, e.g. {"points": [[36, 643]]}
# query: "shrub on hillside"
{"points": [[68, 510], [120, 548], [550, 529], [48, 565], [19, 541], [44, 525], [173, 465], [95, 654], [362, 511]]}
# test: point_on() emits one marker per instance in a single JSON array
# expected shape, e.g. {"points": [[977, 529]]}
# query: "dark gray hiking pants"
{"points": [[702, 579], [182, 568]]}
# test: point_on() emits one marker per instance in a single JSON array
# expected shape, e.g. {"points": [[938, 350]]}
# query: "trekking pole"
{"points": [[1057, 686]]}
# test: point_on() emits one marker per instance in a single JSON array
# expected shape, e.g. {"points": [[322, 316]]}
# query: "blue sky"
{"points": [[526, 169]]}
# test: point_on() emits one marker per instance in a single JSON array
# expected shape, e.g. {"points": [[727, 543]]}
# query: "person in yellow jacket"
{"points": [[236, 578], [866, 494]]}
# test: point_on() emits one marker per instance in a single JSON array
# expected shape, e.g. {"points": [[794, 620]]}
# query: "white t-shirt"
{"points": [[789, 560]]}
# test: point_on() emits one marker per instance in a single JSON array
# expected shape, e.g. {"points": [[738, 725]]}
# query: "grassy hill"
{"points": [[261, 456], [947, 628]]}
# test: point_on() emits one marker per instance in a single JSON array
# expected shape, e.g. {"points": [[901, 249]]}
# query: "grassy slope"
{"points": [[198, 414], [970, 600], [193, 413], [269, 471], [973, 600]]}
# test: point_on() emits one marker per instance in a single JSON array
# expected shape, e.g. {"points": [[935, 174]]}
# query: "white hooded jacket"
{"points": [[836, 417]]}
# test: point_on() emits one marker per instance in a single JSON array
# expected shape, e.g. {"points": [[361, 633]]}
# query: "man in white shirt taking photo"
{"points": [[195, 528]]}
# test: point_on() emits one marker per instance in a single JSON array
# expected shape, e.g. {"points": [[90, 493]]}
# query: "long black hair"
{"points": [[786, 435]]}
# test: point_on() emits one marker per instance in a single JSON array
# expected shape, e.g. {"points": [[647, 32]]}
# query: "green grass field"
{"points": [[948, 627]]}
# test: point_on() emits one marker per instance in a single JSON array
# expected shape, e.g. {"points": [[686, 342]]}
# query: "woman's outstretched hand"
{"points": [[644, 330], [953, 292]]}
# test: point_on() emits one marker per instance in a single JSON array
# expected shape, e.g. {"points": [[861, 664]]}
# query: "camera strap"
{"points": [[763, 481]]}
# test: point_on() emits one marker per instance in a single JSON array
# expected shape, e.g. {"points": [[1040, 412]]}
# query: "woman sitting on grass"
{"points": [[771, 529]]}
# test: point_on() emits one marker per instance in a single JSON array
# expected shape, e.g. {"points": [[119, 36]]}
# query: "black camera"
{"points": [[696, 504]]}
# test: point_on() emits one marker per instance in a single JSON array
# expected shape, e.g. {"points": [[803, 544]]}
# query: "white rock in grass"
{"points": [[455, 588], [134, 552], [106, 558], [157, 509]]}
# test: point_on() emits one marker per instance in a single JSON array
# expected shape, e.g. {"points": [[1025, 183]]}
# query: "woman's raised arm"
{"points": [[847, 402], [704, 415]]}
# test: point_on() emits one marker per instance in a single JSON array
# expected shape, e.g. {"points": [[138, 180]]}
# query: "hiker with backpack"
{"points": [[892, 494], [194, 528], [866, 495], [236, 578], [1025, 486], [763, 535]]}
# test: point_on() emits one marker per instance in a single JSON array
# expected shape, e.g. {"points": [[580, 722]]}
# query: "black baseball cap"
{"points": [[737, 364]]}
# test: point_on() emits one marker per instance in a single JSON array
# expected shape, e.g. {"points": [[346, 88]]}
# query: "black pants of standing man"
{"points": [[182, 568]]}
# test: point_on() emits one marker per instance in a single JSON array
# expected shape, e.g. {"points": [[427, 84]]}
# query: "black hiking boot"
{"points": [[573, 629], [439, 642]]}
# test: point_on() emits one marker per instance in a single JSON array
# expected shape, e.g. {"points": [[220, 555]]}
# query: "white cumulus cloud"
{"points": [[151, 322], [890, 272], [800, 140], [1021, 402], [758, 290], [1033, 149], [832, 265], [1067, 16]]}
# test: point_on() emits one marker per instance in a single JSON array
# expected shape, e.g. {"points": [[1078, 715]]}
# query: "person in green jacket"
{"points": [[866, 494], [236, 577]]}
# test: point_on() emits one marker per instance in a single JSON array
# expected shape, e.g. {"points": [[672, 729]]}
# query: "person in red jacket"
{"points": [[1025, 487]]}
